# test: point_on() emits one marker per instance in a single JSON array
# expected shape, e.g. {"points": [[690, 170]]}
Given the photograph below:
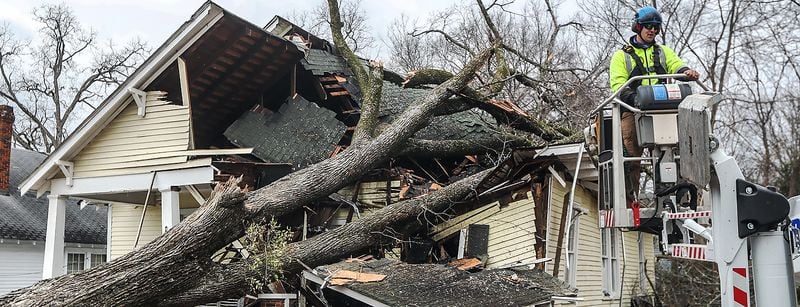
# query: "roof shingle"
{"points": [[24, 217]]}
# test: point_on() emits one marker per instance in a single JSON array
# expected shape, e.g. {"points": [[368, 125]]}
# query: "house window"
{"points": [[642, 262], [610, 261], [572, 250], [75, 262], [98, 259]]}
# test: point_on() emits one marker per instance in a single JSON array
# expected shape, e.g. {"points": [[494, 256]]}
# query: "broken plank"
{"points": [[339, 93], [344, 277], [466, 263], [328, 79]]}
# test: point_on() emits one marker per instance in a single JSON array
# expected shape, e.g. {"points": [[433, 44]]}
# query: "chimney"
{"points": [[6, 126]]}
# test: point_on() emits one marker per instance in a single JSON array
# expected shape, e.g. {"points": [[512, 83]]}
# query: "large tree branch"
{"points": [[457, 148], [426, 76], [405, 216], [370, 82]]}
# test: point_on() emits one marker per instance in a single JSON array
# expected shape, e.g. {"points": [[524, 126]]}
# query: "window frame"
{"points": [[78, 262], [572, 247], [87, 255], [92, 263], [609, 258]]}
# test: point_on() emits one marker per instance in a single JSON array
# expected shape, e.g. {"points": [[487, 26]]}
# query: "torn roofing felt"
{"points": [[443, 285], [458, 126], [300, 133]]}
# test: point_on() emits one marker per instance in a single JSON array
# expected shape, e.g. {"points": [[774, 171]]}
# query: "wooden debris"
{"points": [[508, 106], [339, 93], [362, 258], [328, 79], [403, 191], [345, 277], [466, 263]]}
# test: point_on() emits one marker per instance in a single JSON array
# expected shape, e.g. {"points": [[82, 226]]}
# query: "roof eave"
{"points": [[207, 15]]}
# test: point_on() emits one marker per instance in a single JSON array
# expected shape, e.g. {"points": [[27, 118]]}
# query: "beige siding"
{"points": [[511, 231], [589, 273], [131, 143], [512, 234], [373, 194], [124, 224]]}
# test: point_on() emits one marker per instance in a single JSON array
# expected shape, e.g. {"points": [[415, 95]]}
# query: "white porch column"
{"points": [[170, 208], [54, 241]]}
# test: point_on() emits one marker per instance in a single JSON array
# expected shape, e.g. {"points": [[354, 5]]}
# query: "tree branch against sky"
{"points": [[55, 80]]}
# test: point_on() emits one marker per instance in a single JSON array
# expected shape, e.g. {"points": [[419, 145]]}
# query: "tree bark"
{"points": [[426, 76], [332, 246]]}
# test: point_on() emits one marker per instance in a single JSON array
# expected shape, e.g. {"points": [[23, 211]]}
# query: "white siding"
{"points": [[129, 143], [20, 265], [125, 223], [589, 268]]}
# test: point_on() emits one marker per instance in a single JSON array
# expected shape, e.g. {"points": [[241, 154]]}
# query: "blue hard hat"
{"points": [[647, 15]]}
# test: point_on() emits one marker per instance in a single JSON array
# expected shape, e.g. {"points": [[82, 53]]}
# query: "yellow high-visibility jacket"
{"points": [[622, 64]]}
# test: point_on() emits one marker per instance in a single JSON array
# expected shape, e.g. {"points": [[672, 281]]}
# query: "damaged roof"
{"points": [[458, 126], [24, 217], [523, 161], [321, 62], [443, 285], [300, 133]]}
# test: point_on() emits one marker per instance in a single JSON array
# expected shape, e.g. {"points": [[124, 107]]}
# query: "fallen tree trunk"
{"points": [[229, 280], [172, 262]]}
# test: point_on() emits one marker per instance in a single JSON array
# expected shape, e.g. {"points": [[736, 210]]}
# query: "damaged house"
{"points": [[225, 98]]}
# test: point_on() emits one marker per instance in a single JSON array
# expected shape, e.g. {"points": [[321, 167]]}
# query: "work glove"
{"points": [[628, 96]]}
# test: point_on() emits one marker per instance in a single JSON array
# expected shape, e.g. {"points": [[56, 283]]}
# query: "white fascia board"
{"points": [[130, 183], [201, 21], [558, 150], [344, 290]]}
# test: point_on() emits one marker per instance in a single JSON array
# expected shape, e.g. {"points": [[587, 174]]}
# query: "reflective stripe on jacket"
{"points": [[622, 64]]}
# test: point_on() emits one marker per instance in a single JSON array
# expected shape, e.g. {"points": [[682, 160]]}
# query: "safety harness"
{"points": [[640, 69]]}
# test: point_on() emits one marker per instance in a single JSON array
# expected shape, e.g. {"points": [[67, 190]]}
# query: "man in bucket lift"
{"points": [[641, 56]]}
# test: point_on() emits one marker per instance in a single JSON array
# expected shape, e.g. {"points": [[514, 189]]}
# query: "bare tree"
{"points": [[55, 82], [557, 72], [355, 29]]}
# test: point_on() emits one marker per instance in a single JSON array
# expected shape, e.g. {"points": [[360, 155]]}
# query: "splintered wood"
{"points": [[465, 264], [345, 277]]}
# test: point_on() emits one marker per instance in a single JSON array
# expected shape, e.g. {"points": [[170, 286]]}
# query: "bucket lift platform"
{"points": [[738, 221]]}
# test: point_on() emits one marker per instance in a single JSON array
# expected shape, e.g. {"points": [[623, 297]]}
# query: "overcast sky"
{"points": [[154, 20]]}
